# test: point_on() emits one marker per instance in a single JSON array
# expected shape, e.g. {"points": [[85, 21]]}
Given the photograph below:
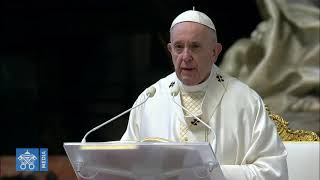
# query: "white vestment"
{"points": [[245, 140]]}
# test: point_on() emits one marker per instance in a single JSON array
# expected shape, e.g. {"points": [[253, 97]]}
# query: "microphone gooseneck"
{"points": [[149, 92], [174, 92]]}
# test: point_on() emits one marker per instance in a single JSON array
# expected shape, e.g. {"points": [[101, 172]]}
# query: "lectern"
{"points": [[143, 161]]}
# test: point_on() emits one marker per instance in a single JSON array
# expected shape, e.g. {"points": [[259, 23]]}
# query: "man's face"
{"points": [[194, 51]]}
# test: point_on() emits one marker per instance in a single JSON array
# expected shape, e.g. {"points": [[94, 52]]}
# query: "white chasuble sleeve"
{"points": [[266, 157]]}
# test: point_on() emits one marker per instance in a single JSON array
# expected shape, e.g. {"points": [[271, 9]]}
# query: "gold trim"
{"points": [[108, 147], [155, 139], [287, 134], [299, 142]]}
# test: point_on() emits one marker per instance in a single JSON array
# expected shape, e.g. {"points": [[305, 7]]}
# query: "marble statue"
{"points": [[281, 58]]}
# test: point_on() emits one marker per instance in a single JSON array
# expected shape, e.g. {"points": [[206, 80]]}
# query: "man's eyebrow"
{"points": [[176, 42]]}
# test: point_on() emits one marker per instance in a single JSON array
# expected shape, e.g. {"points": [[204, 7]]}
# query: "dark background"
{"points": [[67, 66]]}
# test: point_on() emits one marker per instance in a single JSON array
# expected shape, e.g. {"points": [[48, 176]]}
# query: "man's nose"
{"points": [[186, 54]]}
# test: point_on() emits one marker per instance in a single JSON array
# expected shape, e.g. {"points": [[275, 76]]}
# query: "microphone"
{"points": [[174, 92], [149, 92]]}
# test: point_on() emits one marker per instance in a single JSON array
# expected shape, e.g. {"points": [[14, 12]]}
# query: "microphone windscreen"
{"points": [[151, 91], [175, 90]]}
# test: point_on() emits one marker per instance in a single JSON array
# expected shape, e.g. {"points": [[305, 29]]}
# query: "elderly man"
{"points": [[233, 116]]}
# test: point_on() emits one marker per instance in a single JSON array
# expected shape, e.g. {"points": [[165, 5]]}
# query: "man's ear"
{"points": [[169, 47], [216, 51]]}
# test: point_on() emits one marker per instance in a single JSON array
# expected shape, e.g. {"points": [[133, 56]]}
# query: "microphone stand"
{"points": [[150, 93]]}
